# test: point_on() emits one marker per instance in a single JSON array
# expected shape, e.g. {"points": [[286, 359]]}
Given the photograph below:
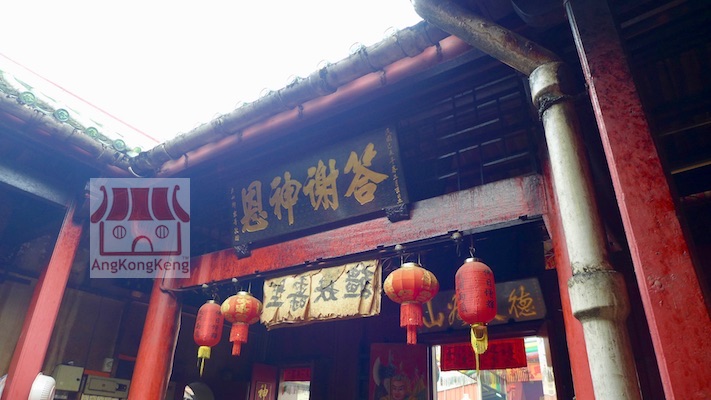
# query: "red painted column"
{"points": [[37, 329], [154, 362], [574, 336], [678, 319]]}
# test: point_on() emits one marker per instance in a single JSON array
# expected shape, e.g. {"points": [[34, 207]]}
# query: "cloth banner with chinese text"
{"points": [[347, 291], [501, 354]]}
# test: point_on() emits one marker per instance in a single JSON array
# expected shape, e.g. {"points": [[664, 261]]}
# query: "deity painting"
{"points": [[398, 372]]}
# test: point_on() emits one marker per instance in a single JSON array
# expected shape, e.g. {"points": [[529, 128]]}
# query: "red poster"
{"points": [[398, 372], [296, 374], [501, 354]]}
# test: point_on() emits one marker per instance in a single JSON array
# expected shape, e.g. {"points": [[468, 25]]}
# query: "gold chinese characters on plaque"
{"points": [[347, 291]]}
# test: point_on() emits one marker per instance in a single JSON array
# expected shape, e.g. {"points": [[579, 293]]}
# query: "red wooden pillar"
{"points": [[37, 329], [574, 336], [670, 289], [154, 362]]}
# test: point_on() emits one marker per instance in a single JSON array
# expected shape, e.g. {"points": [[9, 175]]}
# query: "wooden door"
{"points": [[264, 382]]}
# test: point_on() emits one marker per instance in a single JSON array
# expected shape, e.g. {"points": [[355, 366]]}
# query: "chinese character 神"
{"points": [[321, 187], [365, 181], [285, 196], [263, 391], [255, 218]]}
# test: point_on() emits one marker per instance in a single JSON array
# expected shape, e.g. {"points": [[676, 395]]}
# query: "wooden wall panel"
{"points": [[14, 301], [86, 331]]}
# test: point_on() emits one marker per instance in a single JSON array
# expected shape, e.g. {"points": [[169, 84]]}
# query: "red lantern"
{"points": [[241, 310], [411, 286], [476, 300], [208, 330]]}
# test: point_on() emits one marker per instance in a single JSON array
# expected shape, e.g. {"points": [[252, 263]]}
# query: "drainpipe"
{"points": [[597, 292]]}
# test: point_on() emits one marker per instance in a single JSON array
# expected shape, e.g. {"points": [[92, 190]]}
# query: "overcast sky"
{"points": [[167, 66]]}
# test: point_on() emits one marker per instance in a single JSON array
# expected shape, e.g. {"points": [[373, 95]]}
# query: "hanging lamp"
{"points": [[411, 286], [241, 310], [208, 330], [476, 301]]}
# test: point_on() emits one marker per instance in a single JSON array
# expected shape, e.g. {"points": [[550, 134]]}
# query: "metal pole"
{"points": [[597, 293]]}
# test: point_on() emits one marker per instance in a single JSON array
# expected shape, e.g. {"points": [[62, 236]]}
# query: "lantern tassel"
{"points": [[480, 338], [411, 317], [203, 354], [480, 342], [238, 335]]}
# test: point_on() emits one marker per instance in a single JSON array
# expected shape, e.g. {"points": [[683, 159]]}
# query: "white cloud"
{"points": [[165, 67]]}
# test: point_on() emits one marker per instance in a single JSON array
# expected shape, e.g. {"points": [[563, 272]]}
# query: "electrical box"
{"points": [[106, 387], [67, 377]]}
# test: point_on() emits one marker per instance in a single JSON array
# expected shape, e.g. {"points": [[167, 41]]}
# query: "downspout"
{"points": [[597, 292]]}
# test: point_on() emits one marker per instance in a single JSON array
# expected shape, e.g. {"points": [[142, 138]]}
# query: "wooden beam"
{"points": [[154, 362], [478, 209], [670, 289]]}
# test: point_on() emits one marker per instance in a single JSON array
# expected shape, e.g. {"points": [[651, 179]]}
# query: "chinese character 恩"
{"points": [[255, 218], [365, 181], [321, 187]]}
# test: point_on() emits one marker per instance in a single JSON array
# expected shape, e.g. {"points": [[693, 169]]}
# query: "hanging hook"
{"points": [[205, 289], [457, 239], [400, 251], [234, 283], [215, 294], [471, 246]]}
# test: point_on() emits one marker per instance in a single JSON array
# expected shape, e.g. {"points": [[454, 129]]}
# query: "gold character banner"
{"points": [[347, 291]]}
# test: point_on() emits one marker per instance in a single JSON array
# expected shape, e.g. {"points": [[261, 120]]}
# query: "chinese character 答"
{"points": [[255, 218], [365, 181], [284, 196], [321, 187], [359, 281]]}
